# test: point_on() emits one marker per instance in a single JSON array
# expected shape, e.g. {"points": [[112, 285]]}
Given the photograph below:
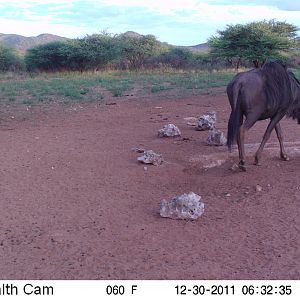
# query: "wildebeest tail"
{"points": [[233, 123]]}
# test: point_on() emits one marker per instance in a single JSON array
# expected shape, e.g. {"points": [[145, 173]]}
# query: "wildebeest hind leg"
{"points": [[240, 143], [283, 154], [249, 122], [274, 121]]}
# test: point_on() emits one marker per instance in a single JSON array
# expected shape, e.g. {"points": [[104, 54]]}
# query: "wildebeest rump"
{"points": [[270, 92]]}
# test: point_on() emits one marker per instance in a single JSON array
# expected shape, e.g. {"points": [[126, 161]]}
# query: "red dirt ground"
{"points": [[76, 204]]}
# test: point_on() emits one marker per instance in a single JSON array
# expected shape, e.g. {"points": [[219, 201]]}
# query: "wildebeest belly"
{"points": [[271, 112]]}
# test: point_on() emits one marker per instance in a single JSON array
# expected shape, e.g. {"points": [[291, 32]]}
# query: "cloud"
{"points": [[28, 28], [181, 22], [289, 5]]}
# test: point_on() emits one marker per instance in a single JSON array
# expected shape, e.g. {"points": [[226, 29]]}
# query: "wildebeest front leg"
{"points": [[274, 121], [283, 154]]}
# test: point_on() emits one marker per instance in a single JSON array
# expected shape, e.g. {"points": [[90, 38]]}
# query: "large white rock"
{"points": [[186, 206], [169, 130], [207, 122], [150, 157], [216, 137]]}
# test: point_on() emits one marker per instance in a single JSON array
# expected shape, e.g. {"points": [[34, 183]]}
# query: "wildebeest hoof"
{"points": [[284, 157], [242, 166], [257, 162]]}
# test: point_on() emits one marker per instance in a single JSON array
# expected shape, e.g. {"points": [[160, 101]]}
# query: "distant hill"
{"points": [[196, 48], [131, 34], [22, 43], [199, 48]]}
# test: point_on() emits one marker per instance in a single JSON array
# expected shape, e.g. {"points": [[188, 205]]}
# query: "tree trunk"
{"points": [[256, 63], [238, 64]]}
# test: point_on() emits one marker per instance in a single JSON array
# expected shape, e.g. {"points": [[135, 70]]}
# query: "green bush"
{"points": [[47, 57], [133, 51], [255, 42], [9, 60], [89, 53]]}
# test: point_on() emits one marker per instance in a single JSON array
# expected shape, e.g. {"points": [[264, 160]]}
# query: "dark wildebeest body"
{"points": [[270, 92]]}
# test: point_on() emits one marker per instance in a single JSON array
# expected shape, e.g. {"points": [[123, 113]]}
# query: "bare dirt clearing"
{"points": [[76, 204]]}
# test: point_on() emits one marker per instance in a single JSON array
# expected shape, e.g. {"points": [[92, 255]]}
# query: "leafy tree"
{"points": [[282, 29], [177, 57], [47, 57], [135, 49], [9, 60], [256, 41], [91, 52], [75, 56], [100, 49]]}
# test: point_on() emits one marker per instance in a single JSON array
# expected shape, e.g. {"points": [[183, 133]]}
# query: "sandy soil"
{"points": [[76, 204]]}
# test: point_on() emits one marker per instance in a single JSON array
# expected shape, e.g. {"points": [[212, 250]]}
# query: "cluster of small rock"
{"points": [[149, 156], [215, 136], [186, 206]]}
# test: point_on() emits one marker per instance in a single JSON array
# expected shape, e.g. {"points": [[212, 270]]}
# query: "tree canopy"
{"points": [[9, 60], [256, 42], [93, 52], [135, 49], [235, 45]]}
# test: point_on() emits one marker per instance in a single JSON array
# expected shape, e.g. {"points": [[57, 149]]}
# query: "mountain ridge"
{"points": [[22, 43]]}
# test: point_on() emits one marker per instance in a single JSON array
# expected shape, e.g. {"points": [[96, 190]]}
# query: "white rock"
{"points": [[207, 122], [186, 206], [150, 157], [234, 167], [138, 150], [216, 137], [258, 188], [169, 130]]}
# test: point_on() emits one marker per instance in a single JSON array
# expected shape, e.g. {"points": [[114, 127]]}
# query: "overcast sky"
{"points": [[178, 22]]}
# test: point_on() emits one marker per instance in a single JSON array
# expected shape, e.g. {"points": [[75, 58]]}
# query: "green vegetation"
{"points": [[255, 42], [74, 86], [89, 53], [103, 65], [94, 52], [9, 60], [297, 73], [235, 46]]}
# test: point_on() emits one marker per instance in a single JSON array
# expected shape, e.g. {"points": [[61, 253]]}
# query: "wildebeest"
{"points": [[270, 92]]}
